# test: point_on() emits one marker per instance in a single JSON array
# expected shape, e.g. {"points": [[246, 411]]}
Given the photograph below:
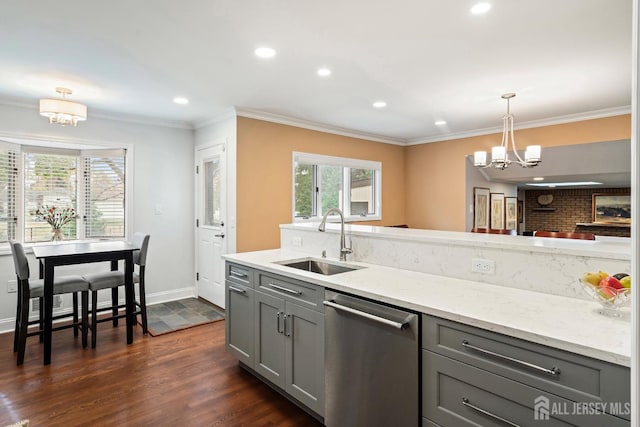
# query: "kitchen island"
{"points": [[531, 305]]}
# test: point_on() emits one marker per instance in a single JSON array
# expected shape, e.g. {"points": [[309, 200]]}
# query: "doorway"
{"points": [[211, 215]]}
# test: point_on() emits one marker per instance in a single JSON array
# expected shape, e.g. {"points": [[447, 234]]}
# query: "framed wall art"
{"points": [[511, 213], [481, 207], [611, 208], [497, 211]]}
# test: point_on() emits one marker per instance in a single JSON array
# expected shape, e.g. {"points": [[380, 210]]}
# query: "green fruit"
{"points": [[626, 281], [620, 275]]}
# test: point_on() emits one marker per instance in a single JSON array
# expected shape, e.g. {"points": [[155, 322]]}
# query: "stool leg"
{"points": [[143, 301], [16, 330], [24, 325], [114, 305], [85, 317], [94, 314], [40, 318], [75, 314]]}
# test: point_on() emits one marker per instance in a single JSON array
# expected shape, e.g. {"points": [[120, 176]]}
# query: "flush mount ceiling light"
{"points": [[379, 104], [265, 52], [499, 156], [439, 123], [480, 8], [324, 72], [62, 111], [181, 100]]}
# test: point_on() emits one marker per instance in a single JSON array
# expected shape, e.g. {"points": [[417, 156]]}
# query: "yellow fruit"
{"points": [[593, 278]]}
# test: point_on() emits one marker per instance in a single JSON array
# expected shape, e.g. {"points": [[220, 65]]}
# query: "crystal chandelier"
{"points": [[62, 111], [499, 154]]}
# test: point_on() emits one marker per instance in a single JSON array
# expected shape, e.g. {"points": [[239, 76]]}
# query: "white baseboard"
{"points": [[7, 325]]}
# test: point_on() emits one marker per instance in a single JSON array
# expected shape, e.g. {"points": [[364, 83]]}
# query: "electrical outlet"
{"points": [[484, 266], [296, 241], [12, 286]]}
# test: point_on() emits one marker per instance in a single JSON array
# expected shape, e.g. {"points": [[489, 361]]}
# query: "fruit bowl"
{"points": [[611, 299]]}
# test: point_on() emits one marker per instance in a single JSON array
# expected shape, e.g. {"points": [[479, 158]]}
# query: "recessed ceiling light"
{"points": [[538, 178], [265, 52], [480, 8], [181, 100], [440, 122], [324, 72], [379, 104]]}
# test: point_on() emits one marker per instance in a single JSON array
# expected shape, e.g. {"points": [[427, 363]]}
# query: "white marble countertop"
{"points": [[561, 322], [602, 247]]}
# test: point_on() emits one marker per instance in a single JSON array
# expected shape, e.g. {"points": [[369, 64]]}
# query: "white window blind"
{"points": [[49, 180], [104, 193], [8, 190]]}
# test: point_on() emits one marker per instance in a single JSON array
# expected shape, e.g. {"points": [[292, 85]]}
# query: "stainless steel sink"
{"points": [[318, 266]]}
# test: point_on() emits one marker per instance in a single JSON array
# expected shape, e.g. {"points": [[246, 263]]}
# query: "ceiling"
{"points": [[428, 59]]}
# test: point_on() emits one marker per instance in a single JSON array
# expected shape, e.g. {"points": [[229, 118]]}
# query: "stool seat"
{"points": [[108, 279], [61, 285]]}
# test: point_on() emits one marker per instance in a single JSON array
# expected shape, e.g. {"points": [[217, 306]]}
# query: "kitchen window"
{"points": [[324, 182], [90, 181]]}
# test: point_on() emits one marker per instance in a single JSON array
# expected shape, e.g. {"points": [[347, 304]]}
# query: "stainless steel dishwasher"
{"points": [[371, 363]]}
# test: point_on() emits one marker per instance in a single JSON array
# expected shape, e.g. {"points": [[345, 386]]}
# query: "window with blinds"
{"points": [[50, 180], [8, 190], [104, 193], [33, 177]]}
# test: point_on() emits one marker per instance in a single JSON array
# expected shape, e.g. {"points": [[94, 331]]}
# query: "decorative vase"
{"points": [[56, 235]]}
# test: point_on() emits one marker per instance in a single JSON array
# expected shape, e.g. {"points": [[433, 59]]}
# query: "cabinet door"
{"points": [[239, 322], [269, 338], [304, 331]]}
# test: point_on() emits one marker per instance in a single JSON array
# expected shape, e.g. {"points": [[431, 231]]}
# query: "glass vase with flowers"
{"points": [[56, 217]]}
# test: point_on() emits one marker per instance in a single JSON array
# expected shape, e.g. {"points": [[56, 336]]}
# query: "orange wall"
{"points": [[435, 172], [264, 184]]}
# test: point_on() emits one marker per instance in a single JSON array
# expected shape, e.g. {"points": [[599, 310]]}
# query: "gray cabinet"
{"points": [[239, 321], [275, 326], [239, 312], [289, 345], [473, 376]]}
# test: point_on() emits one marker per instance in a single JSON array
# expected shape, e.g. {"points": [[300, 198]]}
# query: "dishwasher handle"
{"points": [[398, 325]]}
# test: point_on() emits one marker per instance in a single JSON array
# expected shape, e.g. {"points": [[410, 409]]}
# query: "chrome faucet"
{"points": [[343, 247]]}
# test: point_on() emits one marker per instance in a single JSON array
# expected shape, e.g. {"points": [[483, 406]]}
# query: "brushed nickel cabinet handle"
{"points": [[553, 371], [237, 290], [466, 403], [237, 274], [282, 288]]}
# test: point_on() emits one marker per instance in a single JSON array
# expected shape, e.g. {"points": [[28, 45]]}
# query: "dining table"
{"points": [[52, 255]]}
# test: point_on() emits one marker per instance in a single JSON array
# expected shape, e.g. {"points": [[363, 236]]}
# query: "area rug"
{"points": [[174, 316]]}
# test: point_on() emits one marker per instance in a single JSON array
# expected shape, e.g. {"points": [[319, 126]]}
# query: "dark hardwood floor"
{"points": [[184, 378]]}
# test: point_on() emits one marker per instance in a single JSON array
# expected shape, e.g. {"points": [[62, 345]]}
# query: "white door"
{"points": [[210, 223]]}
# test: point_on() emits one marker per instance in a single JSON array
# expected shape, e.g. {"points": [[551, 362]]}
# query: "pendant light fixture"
{"points": [[62, 111], [499, 154]]}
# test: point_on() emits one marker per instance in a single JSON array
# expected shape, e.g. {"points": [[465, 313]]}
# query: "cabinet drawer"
{"points": [[238, 274], [457, 394], [305, 294], [574, 377]]}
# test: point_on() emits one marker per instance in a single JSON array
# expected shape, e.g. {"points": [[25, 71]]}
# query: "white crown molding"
{"points": [[569, 118], [225, 115], [321, 127], [101, 114]]}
